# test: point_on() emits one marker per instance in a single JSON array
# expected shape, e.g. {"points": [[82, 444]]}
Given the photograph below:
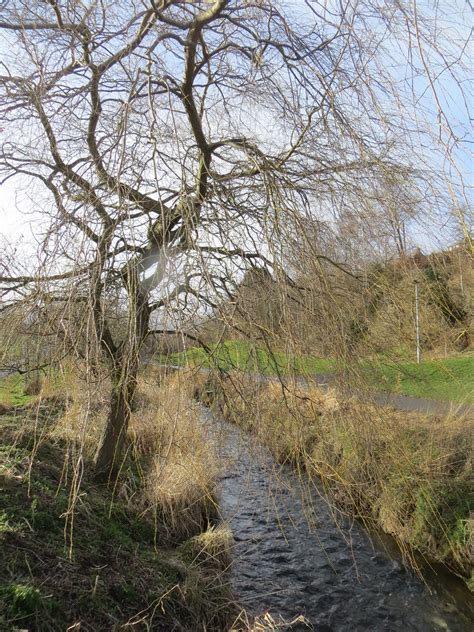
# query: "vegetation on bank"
{"points": [[408, 475], [244, 356], [450, 379], [16, 391], [145, 553]]}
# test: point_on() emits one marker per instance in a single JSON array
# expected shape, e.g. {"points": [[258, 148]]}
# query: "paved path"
{"points": [[417, 404], [403, 402]]}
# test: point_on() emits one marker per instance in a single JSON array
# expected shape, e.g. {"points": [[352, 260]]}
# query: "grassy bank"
{"points": [[448, 379], [15, 391], [404, 474], [146, 556], [244, 356]]}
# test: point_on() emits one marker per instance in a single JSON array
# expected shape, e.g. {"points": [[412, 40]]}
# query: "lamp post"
{"points": [[417, 322]]}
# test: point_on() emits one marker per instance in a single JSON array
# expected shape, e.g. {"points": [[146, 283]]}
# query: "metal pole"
{"points": [[417, 322], [460, 272]]}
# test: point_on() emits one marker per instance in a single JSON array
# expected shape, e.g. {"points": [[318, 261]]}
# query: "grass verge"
{"points": [[244, 356], [448, 379], [15, 391]]}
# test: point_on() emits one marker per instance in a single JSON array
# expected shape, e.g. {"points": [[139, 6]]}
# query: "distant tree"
{"points": [[386, 215]]}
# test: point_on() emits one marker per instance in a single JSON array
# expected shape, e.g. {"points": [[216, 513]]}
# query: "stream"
{"points": [[291, 559]]}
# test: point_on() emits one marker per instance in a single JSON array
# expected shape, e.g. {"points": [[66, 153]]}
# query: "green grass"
{"points": [[12, 391], [450, 379], [242, 355]]}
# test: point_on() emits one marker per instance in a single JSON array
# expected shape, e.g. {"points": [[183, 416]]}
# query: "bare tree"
{"points": [[386, 220], [174, 144]]}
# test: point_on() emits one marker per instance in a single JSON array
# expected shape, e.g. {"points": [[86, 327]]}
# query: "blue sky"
{"points": [[453, 19]]}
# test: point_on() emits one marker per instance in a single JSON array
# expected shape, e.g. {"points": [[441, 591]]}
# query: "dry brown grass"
{"points": [[168, 447], [213, 547], [85, 408], [180, 480], [267, 623]]}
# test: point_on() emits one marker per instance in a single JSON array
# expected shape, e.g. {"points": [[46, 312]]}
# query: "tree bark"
{"points": [[111, 447], [126, 362]]}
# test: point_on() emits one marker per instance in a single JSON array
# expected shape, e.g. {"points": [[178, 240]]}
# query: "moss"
{"points": [[21, 599], [424, 518], [459, 535], [115, 532]]}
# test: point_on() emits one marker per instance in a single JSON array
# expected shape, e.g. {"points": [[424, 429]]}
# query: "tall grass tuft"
{"points": [[179, 486]]}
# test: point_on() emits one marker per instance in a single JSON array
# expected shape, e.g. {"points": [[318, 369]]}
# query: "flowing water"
{"points": [[291, 559]]}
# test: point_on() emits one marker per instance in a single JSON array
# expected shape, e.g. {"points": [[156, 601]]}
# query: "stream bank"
{"points": [[295, 555]]}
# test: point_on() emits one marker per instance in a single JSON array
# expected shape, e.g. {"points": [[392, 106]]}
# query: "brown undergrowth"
{"points": [[181, 464], [144, 555], [407, 474]]}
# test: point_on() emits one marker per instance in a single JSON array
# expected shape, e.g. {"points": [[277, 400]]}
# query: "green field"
{"points": [[450, 379], [241, 355]]}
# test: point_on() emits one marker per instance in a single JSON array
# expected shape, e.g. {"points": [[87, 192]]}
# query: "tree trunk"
{"points": [[126, 361], [110, 450]]}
